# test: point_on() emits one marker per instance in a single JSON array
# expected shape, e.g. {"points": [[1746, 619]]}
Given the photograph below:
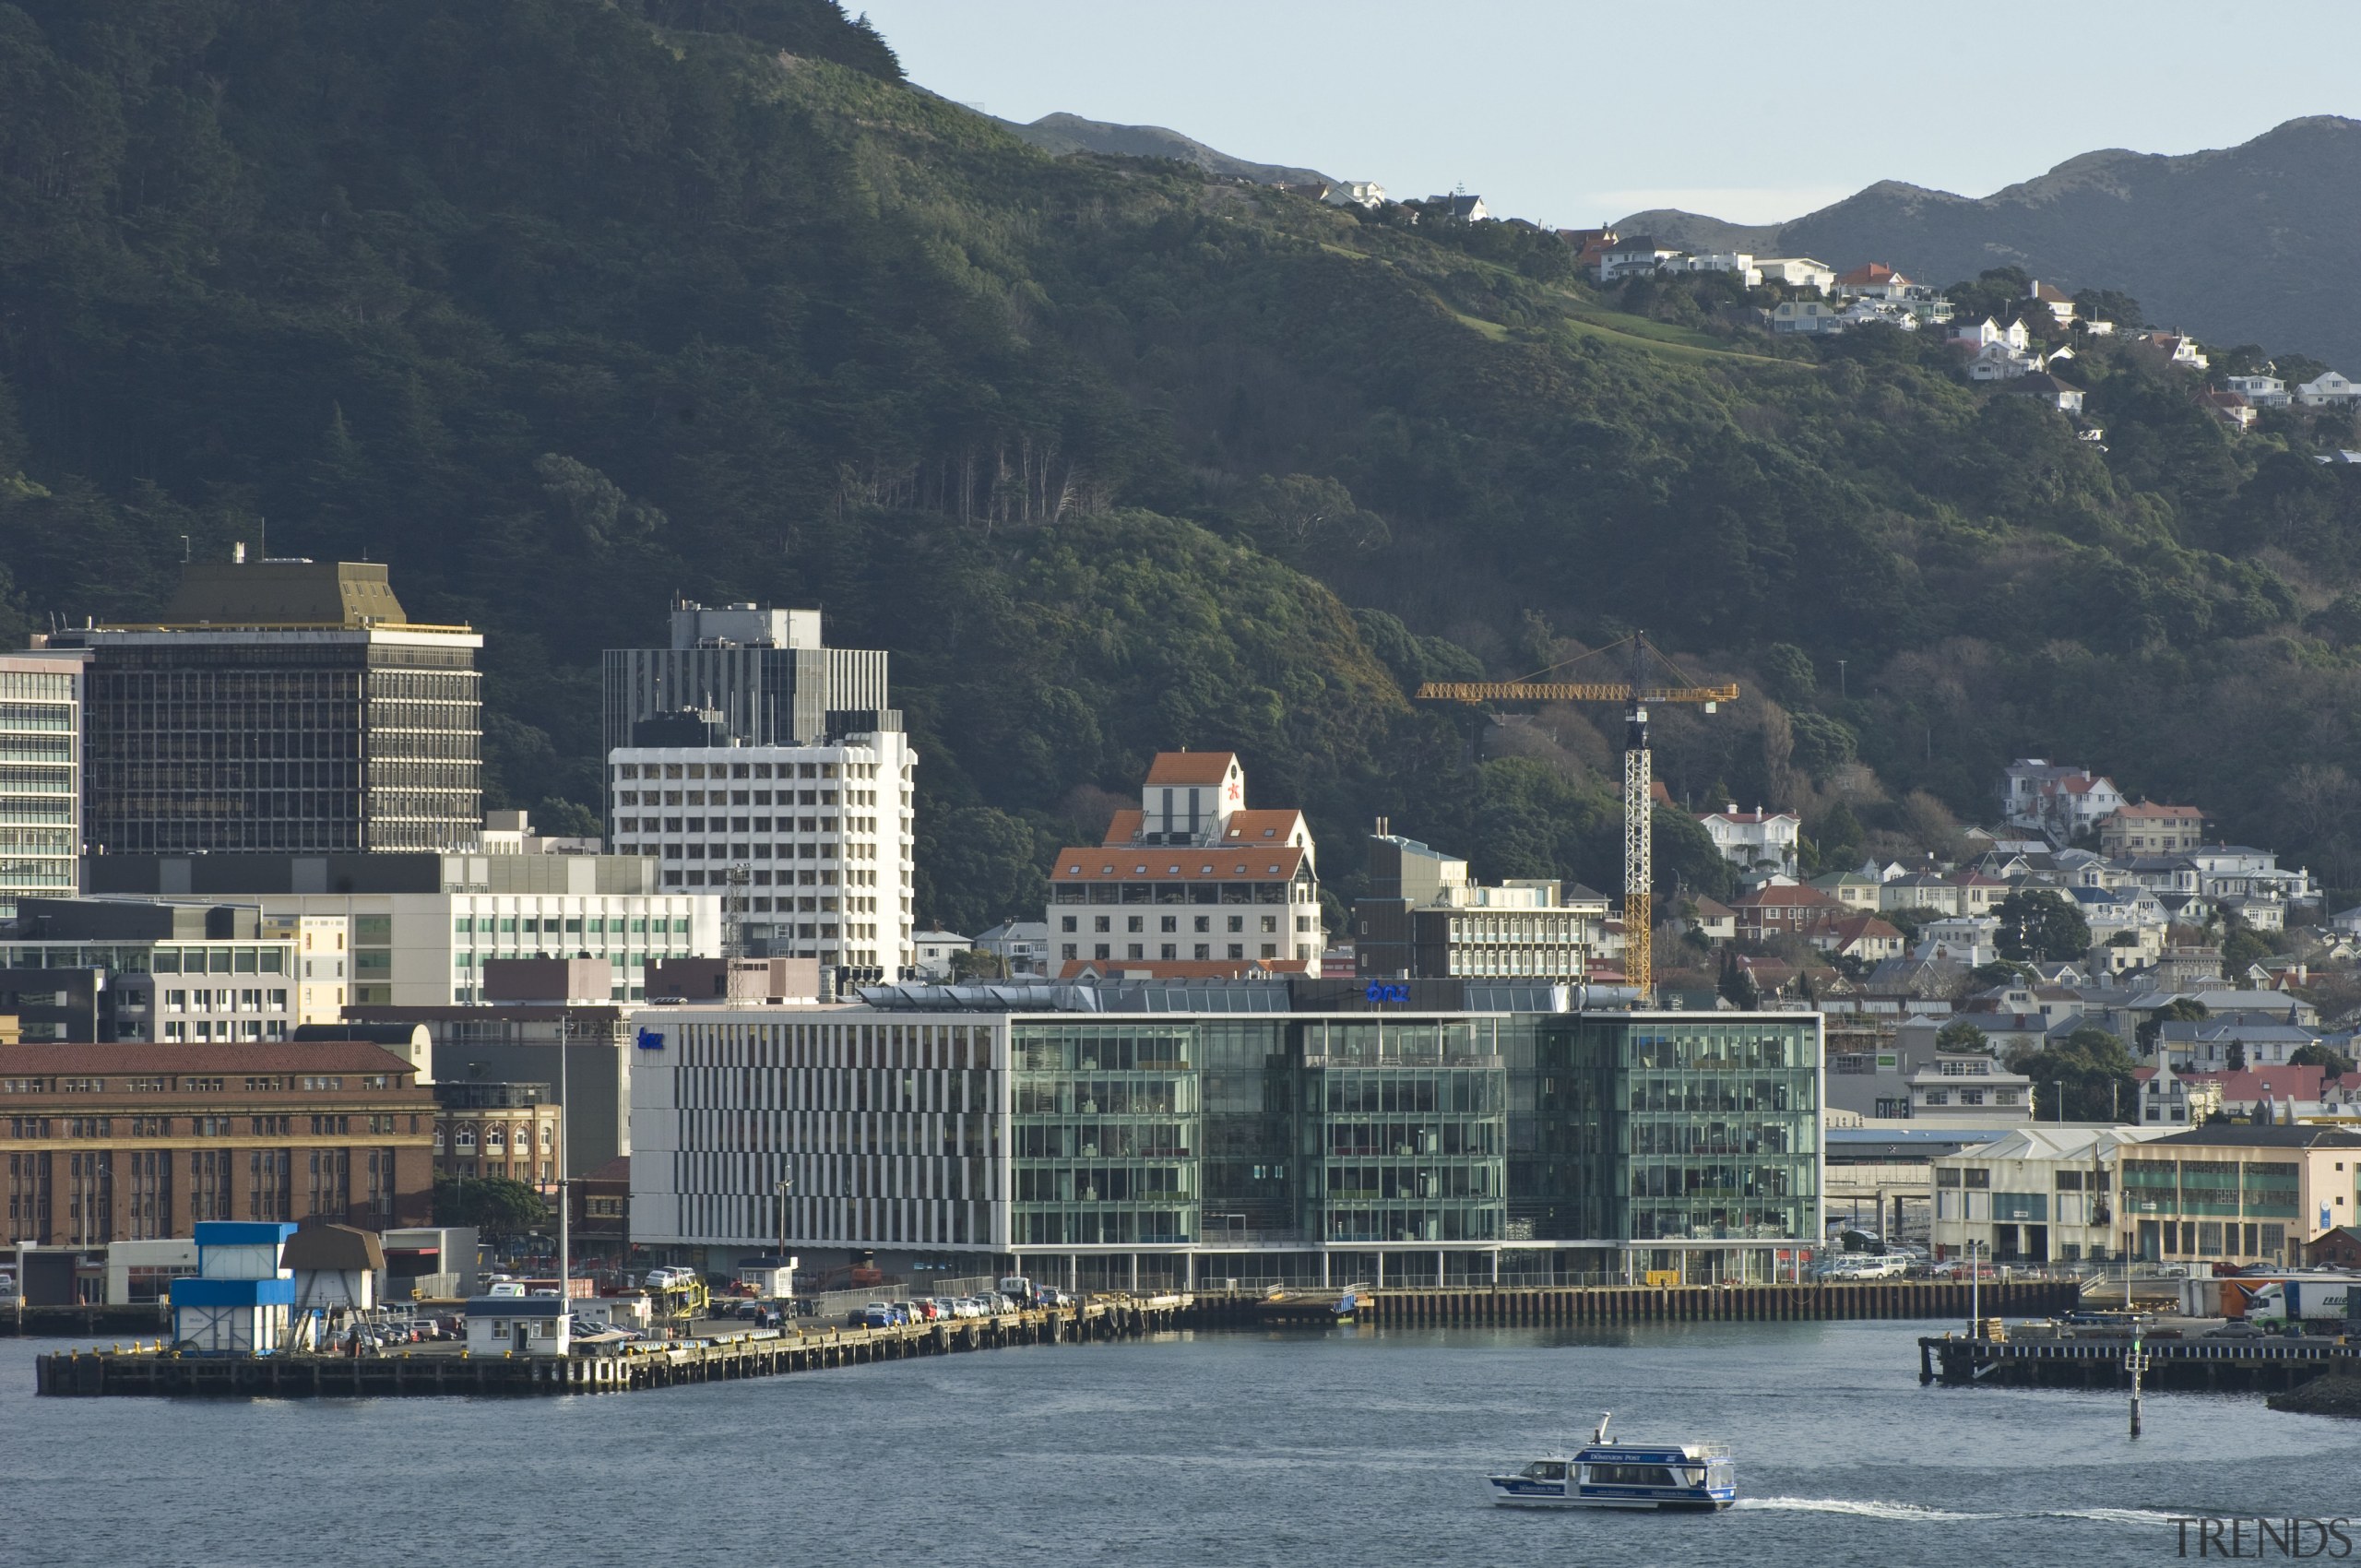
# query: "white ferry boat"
{"points": [[1696, 1476]]}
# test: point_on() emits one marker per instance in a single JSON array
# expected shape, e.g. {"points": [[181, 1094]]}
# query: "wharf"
{"points": [[1717, 1303], [427, 1370], [2097, 1361]]}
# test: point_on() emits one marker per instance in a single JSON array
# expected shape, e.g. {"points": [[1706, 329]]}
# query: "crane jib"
{"points": [[1566, 691]]}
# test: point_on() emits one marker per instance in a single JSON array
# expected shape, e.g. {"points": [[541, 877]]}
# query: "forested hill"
{"points": [[564, 307]]}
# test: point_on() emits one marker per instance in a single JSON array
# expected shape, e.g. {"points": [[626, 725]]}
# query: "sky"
{"points": [[1571, 113]]}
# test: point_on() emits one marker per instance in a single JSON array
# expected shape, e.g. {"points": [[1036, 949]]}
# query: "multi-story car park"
{"points": [[1169, 1132]]}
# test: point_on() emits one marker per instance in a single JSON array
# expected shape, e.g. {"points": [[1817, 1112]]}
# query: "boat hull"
{"points": [[1691, 1504]]}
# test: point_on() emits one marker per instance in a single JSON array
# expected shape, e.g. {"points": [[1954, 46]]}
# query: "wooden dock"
{"points": [[2097, 1361], [155, 1370]]}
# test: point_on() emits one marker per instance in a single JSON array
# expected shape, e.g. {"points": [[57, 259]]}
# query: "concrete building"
{"points": [[1424, 919], [41, 787], [136, 1142], [2234, 1194], [1970, 1086], [936, 951], [286, 706], [811, 845], [421, 927], [2037, 1194], [169, 972], [1191, 878], [763, 677], [1162, 1132]]}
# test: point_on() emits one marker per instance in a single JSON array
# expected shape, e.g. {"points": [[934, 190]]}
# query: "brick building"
{"points": [[106, 1143]]}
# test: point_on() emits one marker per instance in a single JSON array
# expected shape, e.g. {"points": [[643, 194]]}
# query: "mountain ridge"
{"points": [[2113, 218], [1063, 133]]}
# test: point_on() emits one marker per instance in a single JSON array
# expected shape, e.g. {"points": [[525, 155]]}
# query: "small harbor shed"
{"points": [[241, 1298]]}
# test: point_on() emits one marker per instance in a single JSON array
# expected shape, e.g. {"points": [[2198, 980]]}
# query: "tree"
{"points": [[1838, 833], [2238, 1059], [978, 963], [2319, 1053], [2242, 948], [2087, 1076], [497, 1206], [2036, 925], [1960, 1035], [2179, 1010]]}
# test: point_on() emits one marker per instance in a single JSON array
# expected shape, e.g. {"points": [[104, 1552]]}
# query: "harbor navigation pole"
{"points": [[564, 1209], [2136, 1364]]}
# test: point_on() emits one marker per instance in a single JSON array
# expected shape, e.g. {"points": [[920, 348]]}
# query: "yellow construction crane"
{"points": [[1637, 694]]}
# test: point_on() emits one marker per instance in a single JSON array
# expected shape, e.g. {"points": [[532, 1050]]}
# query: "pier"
{"points": [[2096, 1360], [156, 1370], [1716, 1303]]}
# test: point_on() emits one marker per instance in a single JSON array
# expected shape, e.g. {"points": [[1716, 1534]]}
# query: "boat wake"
{"points": [[1918, 1514]]}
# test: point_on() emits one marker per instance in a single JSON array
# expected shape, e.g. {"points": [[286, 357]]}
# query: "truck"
{"points": [[2303, 1300]]}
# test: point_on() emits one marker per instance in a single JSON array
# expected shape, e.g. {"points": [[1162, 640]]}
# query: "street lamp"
{"points": [[786, 1186]]}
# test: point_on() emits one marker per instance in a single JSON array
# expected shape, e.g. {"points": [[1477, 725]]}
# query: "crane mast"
{"points": [[1639, 808]]}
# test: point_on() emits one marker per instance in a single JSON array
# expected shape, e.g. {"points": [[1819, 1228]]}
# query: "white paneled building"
{"points": [[810, 846]]}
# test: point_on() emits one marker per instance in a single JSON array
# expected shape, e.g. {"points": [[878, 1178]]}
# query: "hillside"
{"points": [[567, 306], [1071, 133], [2242, 244]]}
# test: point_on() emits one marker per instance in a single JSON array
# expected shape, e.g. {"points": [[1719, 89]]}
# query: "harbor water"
{"points": [[1358, 1446]]}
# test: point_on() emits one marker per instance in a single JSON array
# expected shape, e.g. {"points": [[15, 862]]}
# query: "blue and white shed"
{"points": [[242, 1298]]}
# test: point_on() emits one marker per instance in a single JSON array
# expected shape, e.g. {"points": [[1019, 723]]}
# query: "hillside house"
{"points": [[1460, 205], [1755, 840], [2229, 408], [2050, 298], [2262, 391], [1356, 193], [2175, 347], [2065, 803], [1850, 888], [2056, 394], [2145, 828], [1975, 336], [2328, 390], [1712, 919], [1639, 254], [2000, 363], [1797, 272], [1783, 910], [1865, 937], [1806, 316], [1738, 264], [1873, 281]]}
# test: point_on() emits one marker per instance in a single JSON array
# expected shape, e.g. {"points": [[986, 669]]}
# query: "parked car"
{"points": [[924, 1311], [2238, 1329], [876, 1314]]}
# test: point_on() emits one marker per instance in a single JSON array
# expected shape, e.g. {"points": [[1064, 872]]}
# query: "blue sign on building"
{"points": [[1381, 991], [651, 1039]]}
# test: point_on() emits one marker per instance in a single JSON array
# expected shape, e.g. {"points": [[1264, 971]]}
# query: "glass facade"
{"points": [[1104, 1133], [1702, 1130], [1383, 1130]]}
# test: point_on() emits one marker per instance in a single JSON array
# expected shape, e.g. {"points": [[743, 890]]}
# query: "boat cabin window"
{"points": [[1546, 1470], [1632, 1475]]}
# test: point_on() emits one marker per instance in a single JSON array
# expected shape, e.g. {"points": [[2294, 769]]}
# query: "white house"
{"points": [[2262, 391], [1356, 193], [1737, 263], [1873, 281], [2000, 363], [1755, 840], [2062, 800], [1986, 333], [1797, 272], [2176, 348], [2055, 300], [2057, 394], [1638, 254], [1806, 316], [2326, 390], [935, 952], [1022, 947]]}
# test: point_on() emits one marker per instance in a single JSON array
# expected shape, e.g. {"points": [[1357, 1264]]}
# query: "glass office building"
{"points": [[1154, 1135]]}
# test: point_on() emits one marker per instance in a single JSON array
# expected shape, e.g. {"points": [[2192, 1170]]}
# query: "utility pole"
{"points": [[564, 1203]]}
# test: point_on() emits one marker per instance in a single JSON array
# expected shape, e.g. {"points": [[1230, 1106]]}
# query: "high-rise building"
{"points": [[286, 707], [757, 764], [1191, 883], [809, 846], [761, 676], [41, 776]]}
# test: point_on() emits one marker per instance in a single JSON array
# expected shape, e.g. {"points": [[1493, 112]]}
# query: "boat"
{"points": [[1345, 1304], [1690, 1476]]}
